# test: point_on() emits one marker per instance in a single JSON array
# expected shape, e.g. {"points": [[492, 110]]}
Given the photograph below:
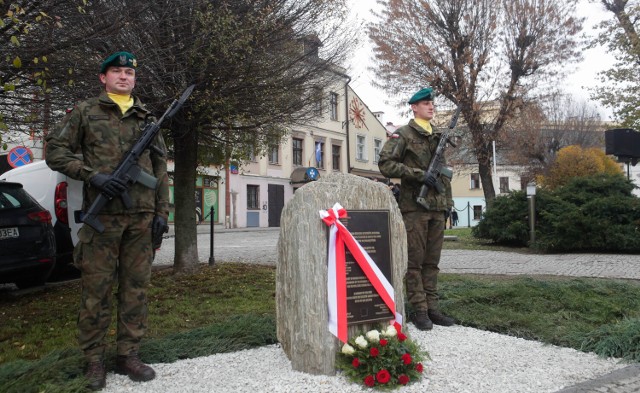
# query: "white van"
{"points": [[62, 196]]}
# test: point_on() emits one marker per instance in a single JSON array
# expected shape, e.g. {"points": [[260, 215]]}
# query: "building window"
{"points": [[477, 212], [319, 153], [253, 197], [377, 147], [475, 181], [333, 105], [274, 154], [252, 155], [361, 148], [504, 185], [317, 101], [297, 151], [335, 157]]}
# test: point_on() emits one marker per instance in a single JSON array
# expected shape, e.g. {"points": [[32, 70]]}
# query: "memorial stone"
{"points": [[301, 270]]}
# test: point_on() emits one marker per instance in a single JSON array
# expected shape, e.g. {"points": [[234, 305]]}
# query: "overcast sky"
{"points": [[585, 74]]}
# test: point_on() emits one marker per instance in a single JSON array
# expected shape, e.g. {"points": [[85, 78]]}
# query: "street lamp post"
{"points": [[531, 195]]}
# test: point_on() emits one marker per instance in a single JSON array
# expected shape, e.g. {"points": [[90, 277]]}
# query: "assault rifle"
{"points": [[436, 167], [128, 170]]}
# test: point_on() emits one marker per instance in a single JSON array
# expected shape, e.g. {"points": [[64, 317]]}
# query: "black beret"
{"points": [[119, 59], [425, 94]]}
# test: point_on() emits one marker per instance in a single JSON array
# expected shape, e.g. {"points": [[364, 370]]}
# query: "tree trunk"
{"points": [[482, 142], [186, 239], [486, 177]]}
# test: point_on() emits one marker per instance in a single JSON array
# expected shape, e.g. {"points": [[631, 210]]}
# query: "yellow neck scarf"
{"points": [[124, 102], [425, 125]]}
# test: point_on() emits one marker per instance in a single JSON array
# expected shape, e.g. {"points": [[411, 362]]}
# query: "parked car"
{"points": [[27, 242], [62, 197]]}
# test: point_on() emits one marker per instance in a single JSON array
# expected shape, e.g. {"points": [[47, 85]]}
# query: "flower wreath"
{"points": [[382, 359]]}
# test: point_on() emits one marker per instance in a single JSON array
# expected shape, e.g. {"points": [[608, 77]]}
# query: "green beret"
{"points": [[119, 59], [422, 95]]}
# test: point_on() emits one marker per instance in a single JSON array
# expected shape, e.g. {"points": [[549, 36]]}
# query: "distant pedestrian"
{"points": [[395, 190], [454, 217]]}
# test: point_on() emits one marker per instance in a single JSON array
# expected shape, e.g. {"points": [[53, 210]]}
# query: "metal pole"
{"points": [[212, 260], [532, 219], [628, 172], [468, 215]]}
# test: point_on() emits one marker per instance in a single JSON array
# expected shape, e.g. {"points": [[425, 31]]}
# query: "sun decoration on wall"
{"points": [[357, 113]]}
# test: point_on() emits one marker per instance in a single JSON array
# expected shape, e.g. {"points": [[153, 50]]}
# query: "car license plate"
{"points": [[6, 233]]}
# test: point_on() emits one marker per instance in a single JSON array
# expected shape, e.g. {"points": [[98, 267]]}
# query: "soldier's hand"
{"points": [[158, 228], [108, 184], [429, 180]]}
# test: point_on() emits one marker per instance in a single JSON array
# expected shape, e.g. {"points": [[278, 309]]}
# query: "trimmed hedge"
{"points": [[595, 213]]}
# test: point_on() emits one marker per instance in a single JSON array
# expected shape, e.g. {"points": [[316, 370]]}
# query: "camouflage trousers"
{"points": [[122, 254], [425, 234]]}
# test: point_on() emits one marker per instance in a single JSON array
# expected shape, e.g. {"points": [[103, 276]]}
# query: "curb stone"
{"points": [[624, 380]]}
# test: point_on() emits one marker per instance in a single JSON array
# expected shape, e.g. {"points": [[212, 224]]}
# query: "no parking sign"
{"points": [[19, 156]]}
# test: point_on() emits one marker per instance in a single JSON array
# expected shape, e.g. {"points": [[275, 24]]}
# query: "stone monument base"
{"points": [[301, 270]]}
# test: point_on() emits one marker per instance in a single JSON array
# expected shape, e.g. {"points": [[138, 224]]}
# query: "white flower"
{"points": [[373, 335], [361, 342], [390, 332], [348, 349]]}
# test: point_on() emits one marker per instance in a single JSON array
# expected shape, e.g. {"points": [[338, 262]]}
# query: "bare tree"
{"points": [[620, 85], [43, 59], [534, 137], [476, 51]]}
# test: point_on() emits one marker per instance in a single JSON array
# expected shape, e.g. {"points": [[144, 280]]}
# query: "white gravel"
{"points": [[462, 360]]}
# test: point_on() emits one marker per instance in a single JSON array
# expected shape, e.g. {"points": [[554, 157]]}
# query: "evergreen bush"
{"points": [[506, 221], [592, 213]]}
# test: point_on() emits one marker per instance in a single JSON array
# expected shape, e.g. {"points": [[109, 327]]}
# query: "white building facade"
{"points": [[347, 139]]}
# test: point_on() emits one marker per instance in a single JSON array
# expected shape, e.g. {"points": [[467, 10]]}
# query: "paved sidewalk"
{"points": [[572, 265]]}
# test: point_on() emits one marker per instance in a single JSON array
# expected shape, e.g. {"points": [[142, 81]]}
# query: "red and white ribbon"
{"points": [[339, 236]]}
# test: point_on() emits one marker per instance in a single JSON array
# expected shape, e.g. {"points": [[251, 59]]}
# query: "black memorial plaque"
{"points": [[371, 229]]}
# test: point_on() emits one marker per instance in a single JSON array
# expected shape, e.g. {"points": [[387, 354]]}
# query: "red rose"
{"points": [[419, 367], [355, 363], [401, 337], [383, 376], [406, 358], [374, 352], [403, 379], [383, 342], [369, 381]]}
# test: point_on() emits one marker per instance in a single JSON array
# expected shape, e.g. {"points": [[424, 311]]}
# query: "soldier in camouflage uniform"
{"points": [[407, 155], [88, 145]]}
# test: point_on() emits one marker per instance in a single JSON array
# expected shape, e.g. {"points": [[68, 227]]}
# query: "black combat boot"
{"points": [[439, 318], [96, 375], [422, 321], [133, 367]]}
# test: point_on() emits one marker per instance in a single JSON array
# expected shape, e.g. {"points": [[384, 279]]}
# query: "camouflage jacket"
{"points": [[93, 138], [406, 155]]}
